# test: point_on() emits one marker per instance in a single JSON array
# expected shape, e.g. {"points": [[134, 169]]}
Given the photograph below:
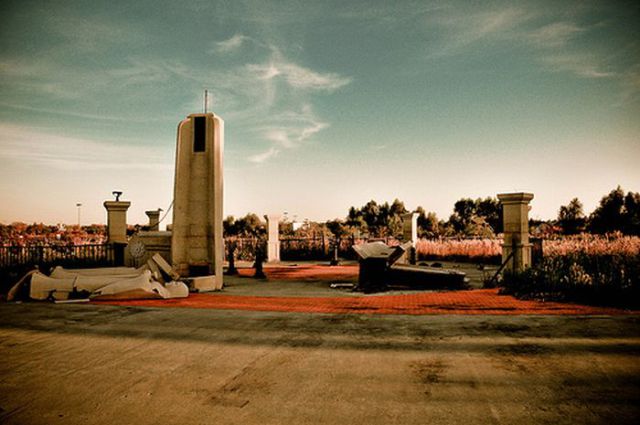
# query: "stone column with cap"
{"points": [[409, 234], [515, 212], [273, 235], [154, 219], [117, 220]]}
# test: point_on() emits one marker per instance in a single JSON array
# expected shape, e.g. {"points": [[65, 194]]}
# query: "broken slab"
{"points": [[71, 286], [165, 267], [177, 290], [375, 258], [378, 269], [421, 276], [44, 287], [155, 271], [16, 289], [380, 250], [118, 272], [204, 283], [140, 287]]}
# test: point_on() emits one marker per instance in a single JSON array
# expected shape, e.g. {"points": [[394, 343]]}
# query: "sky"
{"points": [[327, 104]]}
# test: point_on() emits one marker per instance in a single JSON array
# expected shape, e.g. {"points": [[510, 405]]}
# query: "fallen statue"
{"points": [[107, 283]]}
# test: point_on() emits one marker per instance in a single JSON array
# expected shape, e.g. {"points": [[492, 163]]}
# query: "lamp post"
{"points": [[79, 205]]}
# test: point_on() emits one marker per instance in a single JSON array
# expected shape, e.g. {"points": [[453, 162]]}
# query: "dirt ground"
{"points": [[97, 364]]}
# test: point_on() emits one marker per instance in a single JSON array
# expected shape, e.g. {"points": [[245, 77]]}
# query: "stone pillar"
{"points": [[273, 235], [197, 244], [410, 228], [515, 212], [154, 219], [117, 220], [409, 234]]}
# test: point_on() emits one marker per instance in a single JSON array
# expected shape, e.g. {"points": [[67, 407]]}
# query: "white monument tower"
{"points": [[197, 243]]}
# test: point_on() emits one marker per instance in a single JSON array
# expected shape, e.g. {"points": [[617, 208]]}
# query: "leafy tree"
{"points": [[228, 226], [480, 217], [337, 227], [428, 225], [631, 216], [370, 212], [607, 217], [571, 217], [491, 210], [247, 226], [397, 208], [463, 211]]}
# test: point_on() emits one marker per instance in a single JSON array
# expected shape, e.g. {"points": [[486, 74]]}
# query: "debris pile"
{"points": [[155, 279], [378, 269]]}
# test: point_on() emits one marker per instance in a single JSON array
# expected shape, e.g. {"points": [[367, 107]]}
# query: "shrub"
{"points": [[611, 279]]}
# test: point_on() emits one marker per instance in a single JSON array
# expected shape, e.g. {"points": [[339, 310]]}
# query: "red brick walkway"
{"points": [[480, 301]]}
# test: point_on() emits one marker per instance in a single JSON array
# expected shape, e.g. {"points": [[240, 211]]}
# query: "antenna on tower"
{"points": [[206, 100]]}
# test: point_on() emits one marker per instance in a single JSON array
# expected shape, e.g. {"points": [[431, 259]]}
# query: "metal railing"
{"points": [[93, 255], [315, 247]]}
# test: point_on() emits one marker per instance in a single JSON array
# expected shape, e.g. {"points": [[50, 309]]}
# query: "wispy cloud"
{"points": [[583, 65], [262, 157], [296, 75], [461, 28], [90, 33], [289, 130], [21, 144], [556, 34], [139, 71], [87, 115], [548, 41], [230, 44], [291, 137]]}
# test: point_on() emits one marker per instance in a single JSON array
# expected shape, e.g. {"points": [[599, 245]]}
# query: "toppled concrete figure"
{"points": [[378, 270], [97, 284]]}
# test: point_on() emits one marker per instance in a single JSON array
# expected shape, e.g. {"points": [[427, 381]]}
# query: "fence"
{"points": [[316, 247], [321, 247], [21, 257]]}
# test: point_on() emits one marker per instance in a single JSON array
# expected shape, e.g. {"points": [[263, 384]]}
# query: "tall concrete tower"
{"points": [[197, 243]]}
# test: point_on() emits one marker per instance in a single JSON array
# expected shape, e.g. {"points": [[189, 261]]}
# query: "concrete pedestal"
{"points": [[515, 211], [117, 220], [154, 220], [273, 241]]}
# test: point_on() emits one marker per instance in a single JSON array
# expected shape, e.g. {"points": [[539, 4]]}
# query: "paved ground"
{"points": [[318, 275], [468, 302], [307, 289], [102, 364], [88, 364]]}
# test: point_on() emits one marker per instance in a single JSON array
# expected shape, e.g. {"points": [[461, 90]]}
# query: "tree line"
{"points": [[616, 212], [482, 217]]}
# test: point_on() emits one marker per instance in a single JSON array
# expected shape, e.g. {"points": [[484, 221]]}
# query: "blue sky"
{"points": [[326, 104]]}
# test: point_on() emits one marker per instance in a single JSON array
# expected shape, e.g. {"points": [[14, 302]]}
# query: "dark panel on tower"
{"points": [[199, 133]]}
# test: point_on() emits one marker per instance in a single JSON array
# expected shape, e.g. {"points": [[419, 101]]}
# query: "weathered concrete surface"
{"points": [[87, 364]]}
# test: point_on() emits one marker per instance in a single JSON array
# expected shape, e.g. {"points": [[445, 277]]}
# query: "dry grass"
{"points": [[446, 249], [612, 244]]}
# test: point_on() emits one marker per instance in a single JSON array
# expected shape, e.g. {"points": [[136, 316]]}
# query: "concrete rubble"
{"points": [[154, 280], [378, 269]]}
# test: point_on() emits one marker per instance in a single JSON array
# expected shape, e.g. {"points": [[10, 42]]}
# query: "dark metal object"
{"points": [[118, 253], [536, 251], [117, 194], [260, 257], [334, 261], [502, 266], [232, 262]]}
